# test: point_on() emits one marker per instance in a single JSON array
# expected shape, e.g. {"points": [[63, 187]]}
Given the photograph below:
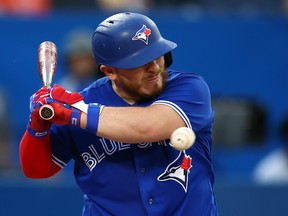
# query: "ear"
{"points": [[108, 71]]}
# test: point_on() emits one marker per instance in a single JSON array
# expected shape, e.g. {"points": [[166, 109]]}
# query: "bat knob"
{"points": [[46, 112]]}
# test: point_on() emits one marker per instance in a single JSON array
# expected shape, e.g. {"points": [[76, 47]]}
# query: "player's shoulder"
{"points": [[175, 75], [185, 78], [102, 83]]}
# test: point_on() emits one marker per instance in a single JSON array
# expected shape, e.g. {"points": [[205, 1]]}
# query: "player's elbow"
{"points": [[34, 174], [39, 172]]}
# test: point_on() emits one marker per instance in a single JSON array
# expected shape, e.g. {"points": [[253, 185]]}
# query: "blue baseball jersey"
{"points": [[146, 178]]}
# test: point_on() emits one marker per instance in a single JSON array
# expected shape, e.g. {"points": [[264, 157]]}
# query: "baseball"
{"points": [[182, 138]]}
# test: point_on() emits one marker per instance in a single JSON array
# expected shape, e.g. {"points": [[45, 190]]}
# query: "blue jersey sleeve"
{"points": [[189, 95]]}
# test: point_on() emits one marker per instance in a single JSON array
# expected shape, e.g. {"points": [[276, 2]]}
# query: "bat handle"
{"points": [[46, 112]]}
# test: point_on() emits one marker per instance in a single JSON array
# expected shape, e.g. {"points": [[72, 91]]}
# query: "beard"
{"points": [[139, 95]]}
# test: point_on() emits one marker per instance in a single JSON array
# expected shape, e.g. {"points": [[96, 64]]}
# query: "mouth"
{"points": [[153, 78]]}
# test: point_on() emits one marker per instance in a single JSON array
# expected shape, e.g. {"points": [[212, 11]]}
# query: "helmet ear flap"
{"points": [[168, 59]]}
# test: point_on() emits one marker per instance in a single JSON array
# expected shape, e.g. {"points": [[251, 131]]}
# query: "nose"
{"points": [[153, 66]]}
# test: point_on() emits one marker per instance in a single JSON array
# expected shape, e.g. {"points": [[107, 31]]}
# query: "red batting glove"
{"points": [[61, 99], [58, 93], [38, 127]]}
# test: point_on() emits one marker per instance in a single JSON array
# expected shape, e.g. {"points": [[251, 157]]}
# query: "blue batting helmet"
{"points": [[129, 40]]}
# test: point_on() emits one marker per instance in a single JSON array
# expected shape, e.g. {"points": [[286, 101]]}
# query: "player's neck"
{"points": [[123, 95]]}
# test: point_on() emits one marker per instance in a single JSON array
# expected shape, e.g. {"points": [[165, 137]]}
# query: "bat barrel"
{"points": [[47, 61]]}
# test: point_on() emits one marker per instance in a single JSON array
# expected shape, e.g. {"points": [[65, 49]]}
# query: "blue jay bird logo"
{"points": [[142, 34], [178, 170]]}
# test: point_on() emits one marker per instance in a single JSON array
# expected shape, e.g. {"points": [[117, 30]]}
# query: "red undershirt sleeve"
{"points": [[36, 157]]}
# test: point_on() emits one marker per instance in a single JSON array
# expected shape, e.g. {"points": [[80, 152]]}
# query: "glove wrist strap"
{"points": [[94, 111], [37, 134], [75, 117]]}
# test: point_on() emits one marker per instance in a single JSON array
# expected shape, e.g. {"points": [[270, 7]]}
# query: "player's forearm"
{"points": [[115, 126], [136, 124], [36, 158]]}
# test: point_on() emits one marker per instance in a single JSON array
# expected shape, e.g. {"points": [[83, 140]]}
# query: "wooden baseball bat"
{"points": [[47, 62]]}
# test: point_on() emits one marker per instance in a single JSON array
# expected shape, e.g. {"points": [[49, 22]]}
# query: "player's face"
{"points": [[138, 84], [142, 83]]}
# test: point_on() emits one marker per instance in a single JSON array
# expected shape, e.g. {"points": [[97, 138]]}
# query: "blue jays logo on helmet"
{"points": [[142, 34], [178, 170]]}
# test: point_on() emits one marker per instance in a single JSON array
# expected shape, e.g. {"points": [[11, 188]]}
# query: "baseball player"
{"points": [[118, 136]]}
